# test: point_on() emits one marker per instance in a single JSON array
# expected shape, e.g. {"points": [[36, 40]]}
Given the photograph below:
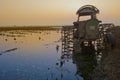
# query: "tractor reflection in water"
{"points": [[86, 39]]}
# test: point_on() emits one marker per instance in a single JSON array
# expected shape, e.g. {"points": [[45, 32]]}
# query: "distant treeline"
{"points": [[30, 28]]}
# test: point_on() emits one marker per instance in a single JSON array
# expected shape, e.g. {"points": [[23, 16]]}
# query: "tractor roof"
{"points": [[87, 10]]}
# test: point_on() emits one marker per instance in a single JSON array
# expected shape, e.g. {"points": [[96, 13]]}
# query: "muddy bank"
{"points": [[109, 68]]}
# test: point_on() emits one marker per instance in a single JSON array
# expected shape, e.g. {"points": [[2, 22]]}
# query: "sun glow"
{"points": [[53, 12]]}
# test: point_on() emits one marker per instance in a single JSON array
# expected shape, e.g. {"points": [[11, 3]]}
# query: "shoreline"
{"points": [[30, 28]]}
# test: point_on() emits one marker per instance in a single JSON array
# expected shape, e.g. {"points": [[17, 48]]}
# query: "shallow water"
{"points": [[34, 55]]}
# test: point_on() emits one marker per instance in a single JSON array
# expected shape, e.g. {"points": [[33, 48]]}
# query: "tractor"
{"points": [[90, 33]]}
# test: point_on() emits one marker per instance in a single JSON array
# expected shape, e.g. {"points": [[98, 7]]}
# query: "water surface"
{"points": [[34, 55]]}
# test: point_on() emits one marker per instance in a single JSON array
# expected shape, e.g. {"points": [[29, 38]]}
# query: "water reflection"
{"points": [[39, 55], [57, 47], [25, 56], [34, 55], [85, 60], [85, 64]]}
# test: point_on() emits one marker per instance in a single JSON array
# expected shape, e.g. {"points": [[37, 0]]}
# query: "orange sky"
{"points": [[54, 12]]}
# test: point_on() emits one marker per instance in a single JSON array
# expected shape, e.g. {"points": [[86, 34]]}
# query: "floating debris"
{"points": [[39, 38], [48, 68], [57, 64], [8, 51], [57, 48], [14, 38], [6, 40]]}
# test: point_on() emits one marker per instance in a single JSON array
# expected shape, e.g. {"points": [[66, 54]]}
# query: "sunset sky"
{"points": [[54, 12]]}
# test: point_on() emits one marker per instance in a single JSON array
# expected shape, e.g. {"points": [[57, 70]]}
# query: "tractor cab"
{"points": [[89, 34], [87, 30]]}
